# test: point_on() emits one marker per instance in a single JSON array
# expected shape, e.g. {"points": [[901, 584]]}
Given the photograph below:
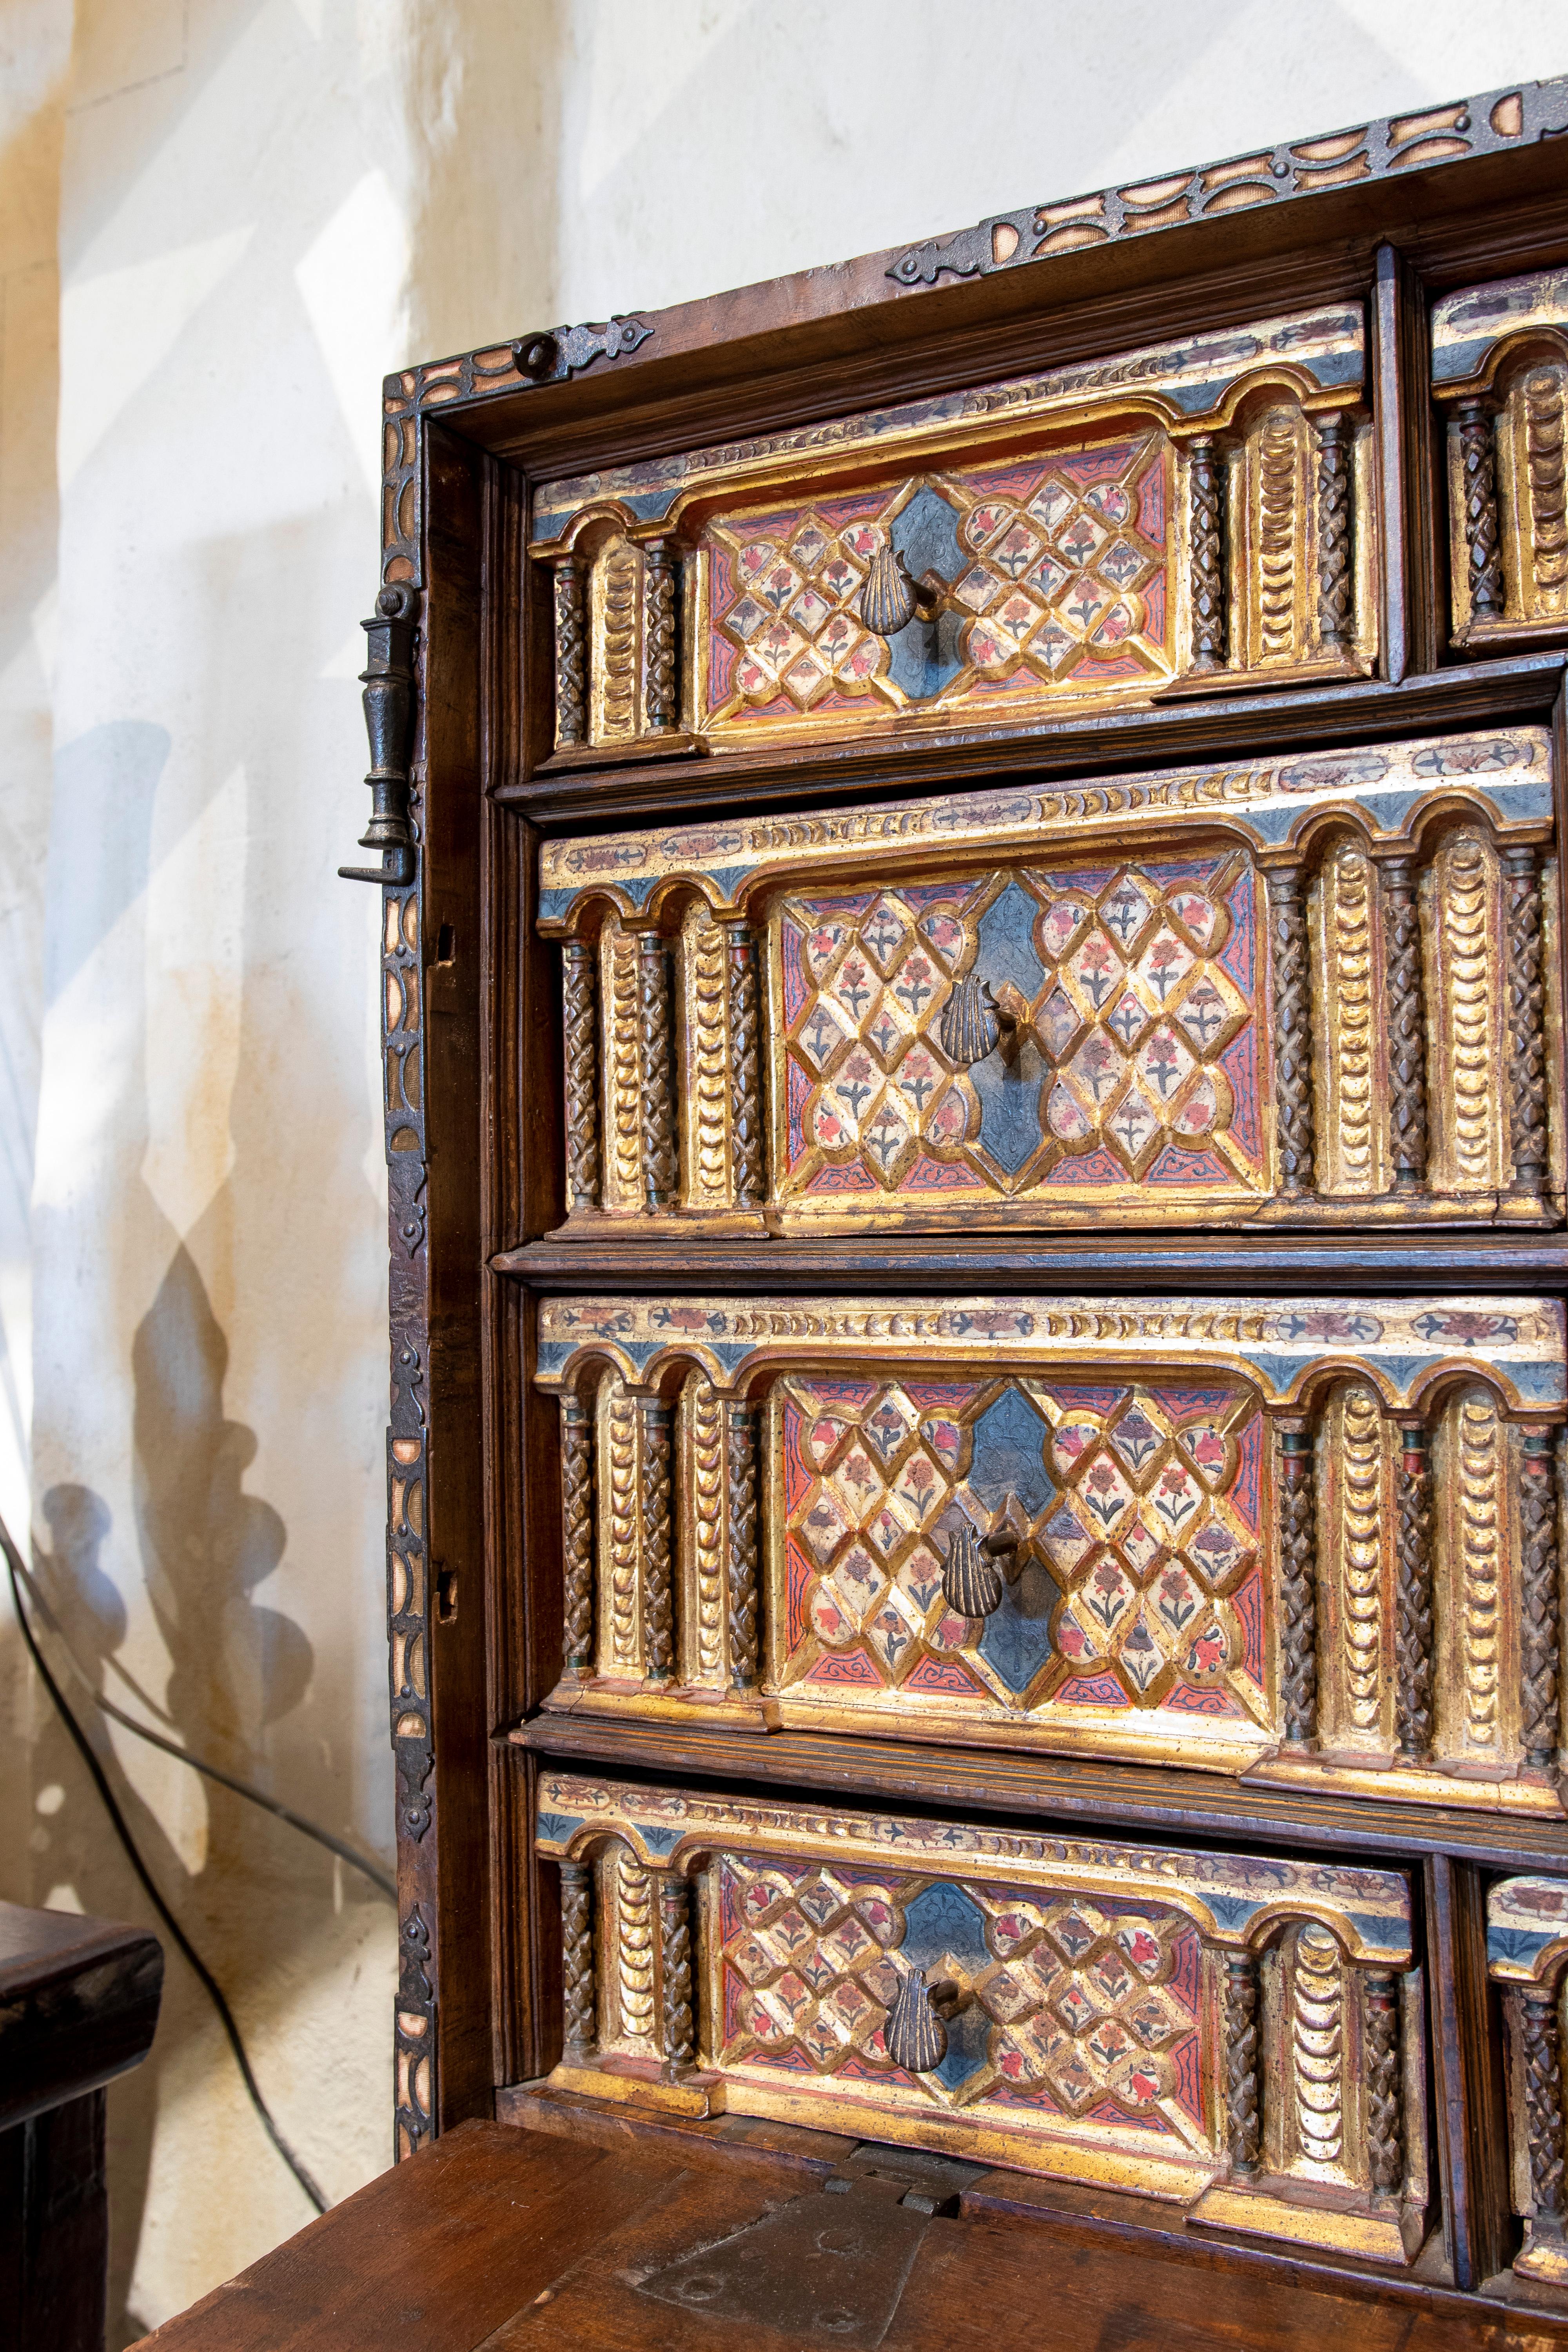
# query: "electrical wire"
{"points": [[378, 1878], [203, 1975]]}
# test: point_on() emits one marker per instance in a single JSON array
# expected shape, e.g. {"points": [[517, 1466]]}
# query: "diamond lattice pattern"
{"points": [[1087, 2008], [1139, 983], [1059, 579], [1137, 1583]]}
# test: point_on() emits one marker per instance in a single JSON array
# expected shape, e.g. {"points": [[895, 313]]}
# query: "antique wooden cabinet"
{"points": [[974, 947]]}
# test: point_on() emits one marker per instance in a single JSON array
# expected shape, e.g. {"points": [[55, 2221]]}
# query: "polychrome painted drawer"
{"points": [[1197, 512], [1313, 1541], [1290, 992], [1500, 370], [1243, 2036], [1527, 1954], [1258, 1537]]}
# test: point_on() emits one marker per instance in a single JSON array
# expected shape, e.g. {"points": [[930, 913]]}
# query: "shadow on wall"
{"points": [[236, 1668]]}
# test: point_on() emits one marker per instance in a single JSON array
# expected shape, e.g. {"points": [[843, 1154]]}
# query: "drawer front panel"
{"points": [[1199, 2027], [1499, 370], [1527, 1954], [1195, 509], [1310, 1541], [1279, 992]]}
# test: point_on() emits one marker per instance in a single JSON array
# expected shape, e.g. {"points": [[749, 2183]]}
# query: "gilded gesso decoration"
{"points": [[1527, 1954], [1499, 368], [1310, 1541], [1197, 508], [1241, 2035], [1298, 990]]}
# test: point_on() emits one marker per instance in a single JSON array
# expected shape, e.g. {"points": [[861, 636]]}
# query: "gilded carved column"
{"points": [[677, 2018], [742, 1448], [1293, 1030], [579, 996], [1298, 1582], [571, 654], [658, 1075], [1206, 494], [1406, 1026], [1540, 1605], [1412, 1622], [1527, 1021], [1243, 2095], [1541, 2056], [1483, 545], [661, 692], [746, 1100], [578, 1974], [1336, 525], [658, 1596], [1385, 2083], [577, 1530]]}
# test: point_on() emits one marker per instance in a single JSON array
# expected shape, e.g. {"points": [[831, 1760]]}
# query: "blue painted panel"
{"points": [[924, 657], [944, 1919], [1007, 932], [1008, 1456], [1009, 1107], [926, 535], [968, 2046], [1015, 1640]]}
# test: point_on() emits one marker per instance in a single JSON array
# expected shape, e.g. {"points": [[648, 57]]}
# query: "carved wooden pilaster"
{"points": [[661, 694], [1539, 1604], [577, 1531], [1243, 2101], [1385, 2083], [1406, 1026], [1298, 1582], [1413, 1618], [658, 1596], [1541, 2056], [677, 2020], [579, 998], [579, 1978], [658, 1099], [1336, 527], [571, 654], [1206, 494], [741, 1433], [1527, 1021], [746, 1100], [1292, 1031], [1483, 545]]}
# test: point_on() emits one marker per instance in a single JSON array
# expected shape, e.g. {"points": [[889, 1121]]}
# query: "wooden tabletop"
{"points": [[517, 2241], [79, 2004]]}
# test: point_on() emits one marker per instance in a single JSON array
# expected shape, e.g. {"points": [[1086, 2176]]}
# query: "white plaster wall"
{"points": [[256, 208]]}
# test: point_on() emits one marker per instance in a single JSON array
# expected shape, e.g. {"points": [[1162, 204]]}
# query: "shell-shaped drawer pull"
{"points": [[915, 2036], [889, 601], [972, 1586], [977, 1017]]}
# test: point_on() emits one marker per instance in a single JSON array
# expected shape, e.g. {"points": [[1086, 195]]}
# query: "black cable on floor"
{"points": [[203, 1975]]}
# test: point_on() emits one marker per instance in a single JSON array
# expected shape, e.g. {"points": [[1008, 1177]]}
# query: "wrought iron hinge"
{"points": [[388, 681]]}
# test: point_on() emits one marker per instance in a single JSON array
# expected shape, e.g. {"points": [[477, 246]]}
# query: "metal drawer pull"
{"points": [[972, 1585], [915, 2036], [977, 1017]]}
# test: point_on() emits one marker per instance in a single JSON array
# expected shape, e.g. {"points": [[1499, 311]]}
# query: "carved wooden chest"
{"points": [[973, 1001]]}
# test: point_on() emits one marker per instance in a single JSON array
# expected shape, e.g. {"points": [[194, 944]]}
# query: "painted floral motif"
{"points": [[1137, 1581], [1087, 2009], [1138, 1064], [1059, 582]]}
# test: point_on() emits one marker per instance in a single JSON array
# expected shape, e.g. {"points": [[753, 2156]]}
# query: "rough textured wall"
{"points": [[258, 206]]}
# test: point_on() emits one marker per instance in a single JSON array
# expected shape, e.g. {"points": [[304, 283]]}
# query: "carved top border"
{"points": [[1470, 327], [1187, 383], [1405, 1348], [1527, 1929], [1234, 1899], [1386, 788]]}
